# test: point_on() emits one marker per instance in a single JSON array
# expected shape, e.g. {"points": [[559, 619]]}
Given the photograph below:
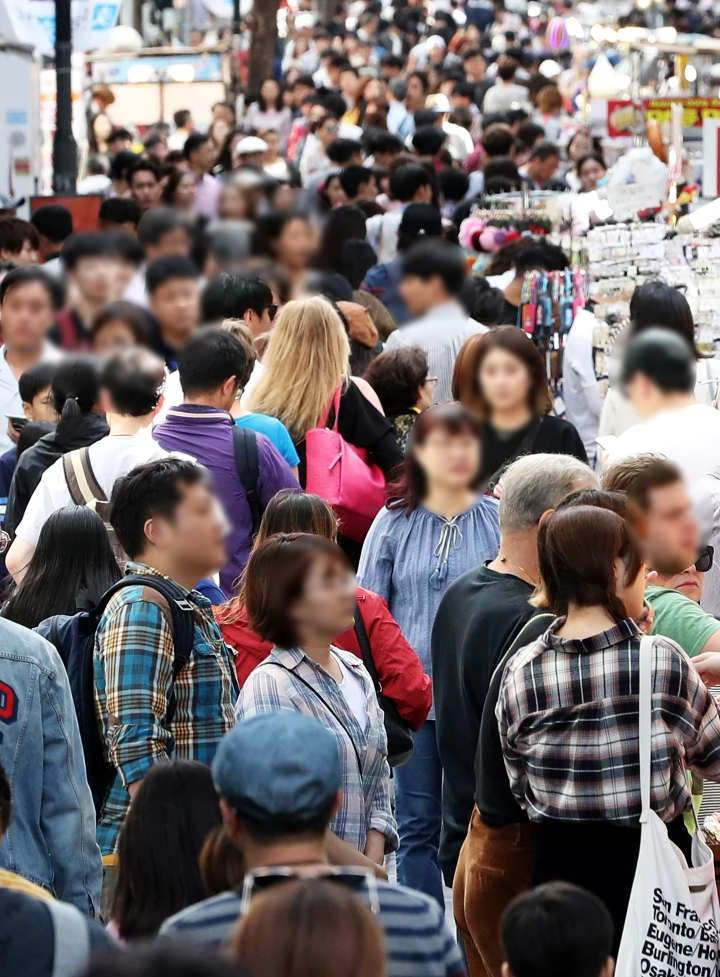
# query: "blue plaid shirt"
{"points": [[133, 667], [365, 800]]}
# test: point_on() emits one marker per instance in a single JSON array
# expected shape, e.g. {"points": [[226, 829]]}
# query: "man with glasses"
{"points": [[279, 780], [235, 296], [660, 510], [247, 470]]}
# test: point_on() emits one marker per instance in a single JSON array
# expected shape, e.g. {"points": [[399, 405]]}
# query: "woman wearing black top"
{"points": [[500, 376]]}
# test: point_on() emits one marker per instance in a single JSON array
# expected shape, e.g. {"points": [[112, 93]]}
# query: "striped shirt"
{"points": [[568, 718], [365, 796], [133, 669], [417, 938], [441, 332]]}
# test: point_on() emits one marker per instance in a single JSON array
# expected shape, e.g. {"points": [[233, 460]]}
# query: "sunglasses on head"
{"points": [[704, 560], [363, 883]]}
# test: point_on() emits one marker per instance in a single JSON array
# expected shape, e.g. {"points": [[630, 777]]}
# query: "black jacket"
{"points": [[71, 433]]}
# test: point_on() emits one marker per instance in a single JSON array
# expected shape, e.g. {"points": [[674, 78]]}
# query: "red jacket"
{"points": [[399, 669]]}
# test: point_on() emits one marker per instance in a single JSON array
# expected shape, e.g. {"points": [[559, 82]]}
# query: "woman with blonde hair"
{"points": [[305, 365]]}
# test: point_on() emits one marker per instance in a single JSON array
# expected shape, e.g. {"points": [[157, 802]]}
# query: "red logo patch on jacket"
{"points": [[8, 703]]}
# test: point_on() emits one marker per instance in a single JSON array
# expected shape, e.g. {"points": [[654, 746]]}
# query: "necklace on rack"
{"points": [[524, 574]]}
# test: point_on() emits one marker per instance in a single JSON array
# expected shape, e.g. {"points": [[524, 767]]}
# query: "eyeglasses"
{"points": [[432, 380], [704, 560], [271, 311], [361, 882]]}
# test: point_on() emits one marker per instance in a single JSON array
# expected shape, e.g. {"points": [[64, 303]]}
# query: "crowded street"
{"points": [[359, 488]]}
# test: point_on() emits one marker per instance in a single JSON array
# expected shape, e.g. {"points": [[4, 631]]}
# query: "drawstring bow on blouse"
{"points": [[450, 538]]}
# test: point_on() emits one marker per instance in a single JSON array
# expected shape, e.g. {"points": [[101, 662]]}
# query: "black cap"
{"points": [[421, 220], [664, 357]]}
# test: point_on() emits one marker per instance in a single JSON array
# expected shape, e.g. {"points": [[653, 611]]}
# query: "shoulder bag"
{"points": [[340, 473], [673, 914]]}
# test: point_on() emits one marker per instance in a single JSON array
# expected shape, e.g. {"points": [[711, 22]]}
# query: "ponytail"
{"points": [[71, 408], [75, 386]]}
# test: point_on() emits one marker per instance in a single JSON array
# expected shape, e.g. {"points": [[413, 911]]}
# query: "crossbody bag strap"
{"points": [[72, 470], [365, 649], [327, 705]]}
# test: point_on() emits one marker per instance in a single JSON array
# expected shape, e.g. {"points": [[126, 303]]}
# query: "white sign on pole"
{"points": [[711, 158]]}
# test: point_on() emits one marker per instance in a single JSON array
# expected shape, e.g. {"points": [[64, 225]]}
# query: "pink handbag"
{"points": [[340, 473]]}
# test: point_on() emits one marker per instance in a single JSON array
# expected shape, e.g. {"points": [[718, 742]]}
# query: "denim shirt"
{"points": [[51, 837]]}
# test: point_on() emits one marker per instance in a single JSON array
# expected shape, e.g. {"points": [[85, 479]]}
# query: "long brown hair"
{"points": [[310, 928], [578, 547], [466, 376], [410, 488]]}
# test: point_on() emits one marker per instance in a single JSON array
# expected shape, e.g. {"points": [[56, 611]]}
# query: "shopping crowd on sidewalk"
{"points": [[325, 626]]}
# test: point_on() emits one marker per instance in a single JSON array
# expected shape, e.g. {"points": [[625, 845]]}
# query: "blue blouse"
{"points": [[411, 560]]}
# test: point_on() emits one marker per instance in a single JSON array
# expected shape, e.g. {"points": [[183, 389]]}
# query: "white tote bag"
{"points": [[671, 928]]}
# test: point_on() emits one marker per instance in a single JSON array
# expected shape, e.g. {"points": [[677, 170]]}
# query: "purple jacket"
{"points": [[206, 433]]}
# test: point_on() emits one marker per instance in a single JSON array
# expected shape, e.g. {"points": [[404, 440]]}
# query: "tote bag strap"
{"points": [[645, 730], [645, 708], [333, 406]]}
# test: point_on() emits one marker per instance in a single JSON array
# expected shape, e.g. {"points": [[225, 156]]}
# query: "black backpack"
{"points": [[74, 637], [246, 463]]}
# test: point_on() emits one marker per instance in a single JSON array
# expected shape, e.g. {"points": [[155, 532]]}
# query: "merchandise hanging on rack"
{"points": [[549, 302]]}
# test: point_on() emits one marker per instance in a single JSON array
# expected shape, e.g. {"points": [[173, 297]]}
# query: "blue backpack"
{"points": [[74, 637]]}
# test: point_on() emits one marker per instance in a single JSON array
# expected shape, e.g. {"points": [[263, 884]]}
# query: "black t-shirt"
{"points": [[477, 618], [493, 797], [509, 315], [554, 436]]}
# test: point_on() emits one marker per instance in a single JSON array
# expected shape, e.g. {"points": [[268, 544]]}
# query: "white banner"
{"points": [[33, 22]]}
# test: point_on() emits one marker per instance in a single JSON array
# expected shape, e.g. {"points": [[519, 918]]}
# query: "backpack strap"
{"points": [[72, 939], [246, 462], [82, 484], [179, 614]]}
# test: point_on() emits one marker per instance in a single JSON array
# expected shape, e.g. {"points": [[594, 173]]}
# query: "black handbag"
{"points": [[399, 736]]}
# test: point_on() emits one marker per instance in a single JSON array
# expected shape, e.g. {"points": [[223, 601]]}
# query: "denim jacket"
{"points": [[51, 837]]}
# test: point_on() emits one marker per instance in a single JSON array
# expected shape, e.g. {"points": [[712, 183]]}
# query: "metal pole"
{"points": [[64, 146], [236, 21]]}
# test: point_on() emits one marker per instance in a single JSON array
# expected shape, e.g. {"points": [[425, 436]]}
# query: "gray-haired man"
{"points": [[478, 618]]}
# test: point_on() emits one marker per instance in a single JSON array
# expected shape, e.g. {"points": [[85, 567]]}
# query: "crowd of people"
{"points": [[321, 619]]}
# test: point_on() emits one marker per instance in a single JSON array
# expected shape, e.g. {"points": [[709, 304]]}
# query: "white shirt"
{"points": [[689, 436], [441, 332], [136, 290], [503, 96], [353, 692], [381, 231], [10, 402], [581, 392], [110, 458]]}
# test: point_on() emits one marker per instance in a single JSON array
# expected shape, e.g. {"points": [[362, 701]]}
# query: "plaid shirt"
{"points": [[133, 666], [568, 717], [365, 801]]}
